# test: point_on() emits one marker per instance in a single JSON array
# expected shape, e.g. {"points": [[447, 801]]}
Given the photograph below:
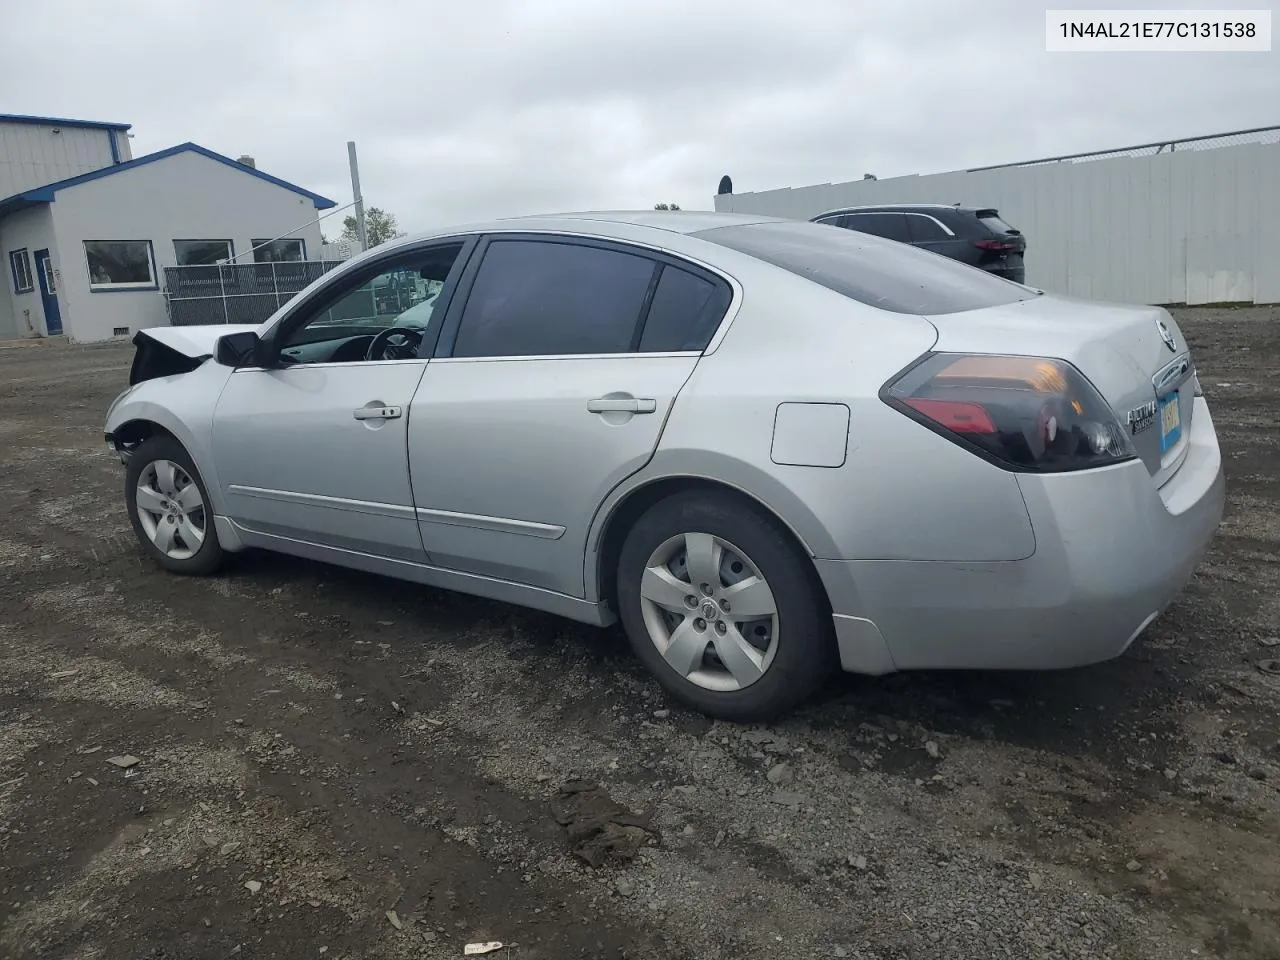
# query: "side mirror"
{"points": [[237, 349]]}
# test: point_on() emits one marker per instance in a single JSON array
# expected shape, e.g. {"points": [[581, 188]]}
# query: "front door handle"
{"points": [[622, 405], [377, 413]]}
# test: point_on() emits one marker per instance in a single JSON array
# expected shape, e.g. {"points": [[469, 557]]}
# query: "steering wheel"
{"points": [[394, 343]]}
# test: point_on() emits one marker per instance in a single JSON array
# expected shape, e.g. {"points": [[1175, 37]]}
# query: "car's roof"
{"points": [[892, 207], [600, 221], [662, 229], [677, 221]]}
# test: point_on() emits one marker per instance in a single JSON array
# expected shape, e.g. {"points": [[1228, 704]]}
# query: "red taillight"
{"points": [[955, 415], [994, 245], [1024, 413]]}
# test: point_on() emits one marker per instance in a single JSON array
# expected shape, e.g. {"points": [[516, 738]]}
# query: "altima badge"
{"points": [[1142, 417]]}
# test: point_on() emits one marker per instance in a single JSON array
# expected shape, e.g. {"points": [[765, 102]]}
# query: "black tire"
{"points": [[806, 651], [209, 557]]}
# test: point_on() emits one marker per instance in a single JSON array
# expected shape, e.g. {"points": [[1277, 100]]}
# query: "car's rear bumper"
{"points": [[1112, 551]]}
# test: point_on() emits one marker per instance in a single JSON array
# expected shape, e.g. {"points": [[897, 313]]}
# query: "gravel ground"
{"points": [[335, 765]]}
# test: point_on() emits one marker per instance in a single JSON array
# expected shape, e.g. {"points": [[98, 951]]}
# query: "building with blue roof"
{"points": [[86, 228]]}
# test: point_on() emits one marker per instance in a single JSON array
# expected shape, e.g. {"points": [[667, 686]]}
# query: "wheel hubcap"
{"points": [[170, 509], [709, 611]]}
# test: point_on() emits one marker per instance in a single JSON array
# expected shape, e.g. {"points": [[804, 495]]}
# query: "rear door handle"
{"points": [[377, 413], [622, 405]]}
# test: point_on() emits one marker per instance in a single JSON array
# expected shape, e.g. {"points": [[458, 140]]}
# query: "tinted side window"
{"points": [[685, 311], [542, 298], [891, 226], [889, 276], [924, 229]]}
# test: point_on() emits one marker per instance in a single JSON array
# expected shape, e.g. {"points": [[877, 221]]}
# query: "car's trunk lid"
{"points": [[1135, 355]]}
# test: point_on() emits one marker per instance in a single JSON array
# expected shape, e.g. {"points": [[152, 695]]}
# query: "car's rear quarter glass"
{"points": [[880, 273], [685, 311]]}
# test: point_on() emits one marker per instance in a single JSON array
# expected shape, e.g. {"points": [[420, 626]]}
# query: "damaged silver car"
{"points": [[767, 447]]}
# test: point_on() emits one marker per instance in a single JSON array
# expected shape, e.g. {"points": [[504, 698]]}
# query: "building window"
{"points": [[202, 253], [278, 251], [120, 265], [20, 266]]}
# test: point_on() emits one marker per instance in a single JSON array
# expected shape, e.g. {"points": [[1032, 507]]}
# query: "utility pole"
{"points": [[355, 192]]}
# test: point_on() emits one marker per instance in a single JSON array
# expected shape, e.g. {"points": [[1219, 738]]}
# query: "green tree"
{"points": [[666, 206], [379, 226]]}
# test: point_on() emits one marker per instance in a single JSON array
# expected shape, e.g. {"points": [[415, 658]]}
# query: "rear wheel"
{"points": [[724, 610], [169, 508]]}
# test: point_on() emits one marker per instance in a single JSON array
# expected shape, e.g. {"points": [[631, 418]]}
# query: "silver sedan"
{"points": [[767, 447]]}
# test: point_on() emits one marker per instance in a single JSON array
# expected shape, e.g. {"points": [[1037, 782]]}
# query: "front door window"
{"points": [[385, 317]]}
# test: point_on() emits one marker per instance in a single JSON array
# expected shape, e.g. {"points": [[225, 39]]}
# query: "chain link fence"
{"points": [[236, 292], [1261, 135]]}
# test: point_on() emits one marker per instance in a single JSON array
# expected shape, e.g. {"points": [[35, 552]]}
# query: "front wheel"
{"points": [[169, 508], [721, 606]]}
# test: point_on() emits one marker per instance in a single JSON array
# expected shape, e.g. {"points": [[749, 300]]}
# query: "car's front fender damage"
{"points": [[153, 359], [168, 351], [173, 388]]}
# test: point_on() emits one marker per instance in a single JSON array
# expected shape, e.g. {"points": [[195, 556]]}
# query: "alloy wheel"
{"points": [[171, 509], [709, 611]]}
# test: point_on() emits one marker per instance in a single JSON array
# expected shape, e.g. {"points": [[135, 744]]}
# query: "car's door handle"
{"points": [[377, 413], [622, 405]]}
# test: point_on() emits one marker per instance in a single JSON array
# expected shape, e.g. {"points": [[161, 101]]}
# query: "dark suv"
{"points": [[972, 235]]}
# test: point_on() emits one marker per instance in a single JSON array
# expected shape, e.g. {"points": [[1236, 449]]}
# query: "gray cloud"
{"points": [[497, 108]]}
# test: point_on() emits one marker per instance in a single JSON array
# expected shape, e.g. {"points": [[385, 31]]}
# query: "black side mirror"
{"points": [[238, 349]]}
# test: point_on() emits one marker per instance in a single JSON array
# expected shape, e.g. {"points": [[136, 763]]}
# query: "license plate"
{"points": [[1170, 422]]}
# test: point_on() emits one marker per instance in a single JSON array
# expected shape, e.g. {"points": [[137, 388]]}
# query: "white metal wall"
{"points": [[31, 154], [1197, 226]]}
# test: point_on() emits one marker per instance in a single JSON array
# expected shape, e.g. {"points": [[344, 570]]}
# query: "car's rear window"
{"points": [[991, 220], [881, 273]]}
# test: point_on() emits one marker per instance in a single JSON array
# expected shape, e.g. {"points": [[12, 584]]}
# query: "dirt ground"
{"points": [[335, 765]]}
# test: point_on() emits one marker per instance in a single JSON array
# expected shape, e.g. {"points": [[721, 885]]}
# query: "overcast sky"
{"points": [[495, 108]]}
